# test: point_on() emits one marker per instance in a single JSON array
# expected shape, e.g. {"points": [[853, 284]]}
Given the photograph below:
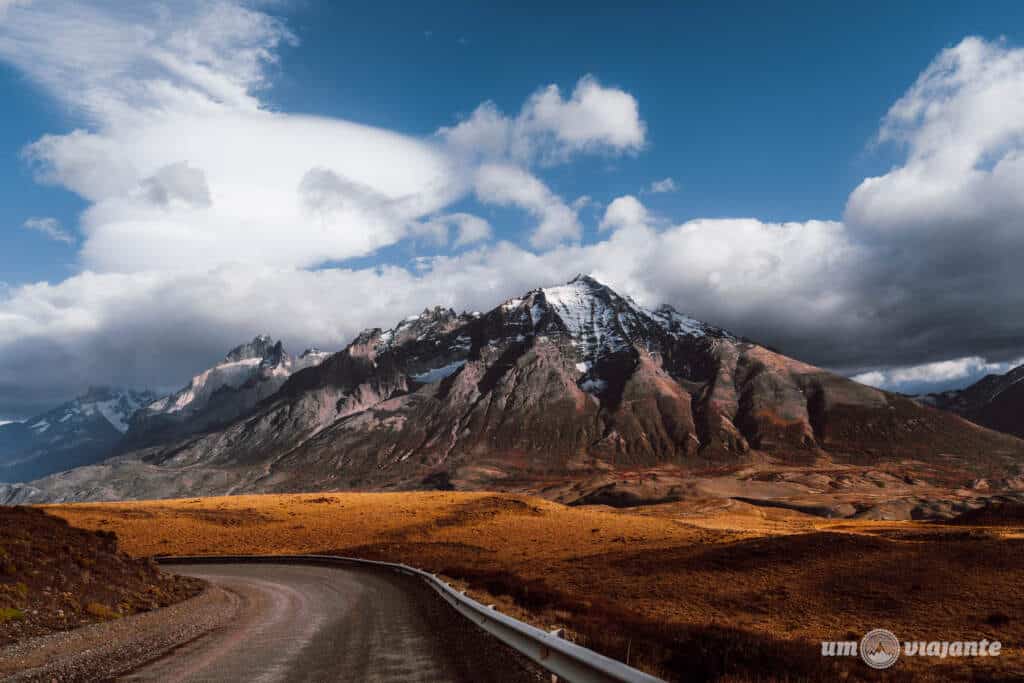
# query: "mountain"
{"points": [[79, 432], [994, 401], [556, 392], [230, 389]]}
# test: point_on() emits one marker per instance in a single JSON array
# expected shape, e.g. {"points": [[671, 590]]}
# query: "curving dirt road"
{"points": [[312, 623]]}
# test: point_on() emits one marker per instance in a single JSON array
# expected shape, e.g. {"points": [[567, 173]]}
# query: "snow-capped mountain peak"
{"points": [[598, 321], [431, 322], [260, 347], [116, 406], [248, 374], [80, 431], [113, 406]]}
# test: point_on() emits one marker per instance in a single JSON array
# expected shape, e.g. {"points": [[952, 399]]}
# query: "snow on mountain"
{"points": [[555, 390], [309, 358], [81, 431], [438, 374], [600, 323], [603, 322], [248, 374], [113, 405], [195, 396], [260, 366]]}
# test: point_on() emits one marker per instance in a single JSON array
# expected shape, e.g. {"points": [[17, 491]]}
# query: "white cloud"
{"points": [[945, 225], [207, 213], [928, 376], [508, 185], [550, 129], [471, 229], [186, 169], [874, 378], [662, 186], [50, 227], [623, 212], [122, 62], [156, 327], [594, 117], [176, 183], [962, 124], [197, 191]]}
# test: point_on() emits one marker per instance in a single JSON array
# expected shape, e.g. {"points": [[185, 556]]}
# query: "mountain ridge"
{"points": [[545, 392], [228, 390], [76, 432], [994, 401]]}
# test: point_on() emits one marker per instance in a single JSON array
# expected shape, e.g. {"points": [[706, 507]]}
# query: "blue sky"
{"points": [[770, 112], [765, 110]]}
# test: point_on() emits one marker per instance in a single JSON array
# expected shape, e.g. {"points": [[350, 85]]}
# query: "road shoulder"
{"points": [[106, 650]]}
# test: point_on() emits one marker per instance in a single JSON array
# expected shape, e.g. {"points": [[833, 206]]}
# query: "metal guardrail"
{"points": [[560, 657]]}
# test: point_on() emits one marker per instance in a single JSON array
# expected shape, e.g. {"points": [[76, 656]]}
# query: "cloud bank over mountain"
{"points": [[210, 215]]}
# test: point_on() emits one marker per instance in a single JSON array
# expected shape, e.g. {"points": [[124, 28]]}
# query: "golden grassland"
{"points": [[699, 590]]}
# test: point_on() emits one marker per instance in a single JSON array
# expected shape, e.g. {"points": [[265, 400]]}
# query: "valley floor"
{"points": [[706, 589]]}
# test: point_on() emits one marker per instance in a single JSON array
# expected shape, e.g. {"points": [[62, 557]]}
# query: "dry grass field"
{"points": [[712, 590]]}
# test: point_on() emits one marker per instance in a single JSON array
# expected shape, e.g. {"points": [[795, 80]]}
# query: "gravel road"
{"points": [[311, 623], [286, 622]]}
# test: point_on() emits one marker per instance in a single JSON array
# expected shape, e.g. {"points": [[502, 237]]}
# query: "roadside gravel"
{"points": [[104, 651]]}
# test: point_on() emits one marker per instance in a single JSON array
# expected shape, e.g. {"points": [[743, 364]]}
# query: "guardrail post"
{"points": [[557, 633]]}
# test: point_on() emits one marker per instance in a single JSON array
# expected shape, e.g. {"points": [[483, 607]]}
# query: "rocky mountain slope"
{"points": [[78, 432], [994, 401], [55, 577], [565, 384], [230, 389]]}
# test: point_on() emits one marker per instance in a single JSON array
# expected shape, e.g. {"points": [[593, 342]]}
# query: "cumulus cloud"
{"points": [[471, 229], [210, 218], [550, 128], [662, 186], [945, 225], [936, 376], [154, 328], [508, 185], [177, 183], [50, 227], [623, 212], [196, 191], [962, 124], [183, 166]]}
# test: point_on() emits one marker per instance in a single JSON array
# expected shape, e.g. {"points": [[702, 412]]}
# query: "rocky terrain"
{"points": [[563, 391], [219, 395], [995, 401], [79, 432], [702, 590], [54, 577], [104, 422]]}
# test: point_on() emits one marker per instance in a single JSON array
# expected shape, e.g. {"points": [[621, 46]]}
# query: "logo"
{"points": [[879, 649]]}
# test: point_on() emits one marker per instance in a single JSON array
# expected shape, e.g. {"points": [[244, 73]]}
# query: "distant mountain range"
{"points": [[995, 401], [563, 384], [230, 389], [105, 421], [75, 433]]}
